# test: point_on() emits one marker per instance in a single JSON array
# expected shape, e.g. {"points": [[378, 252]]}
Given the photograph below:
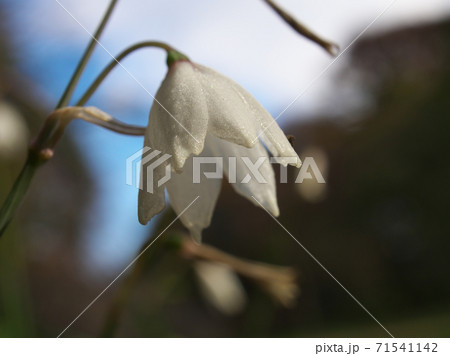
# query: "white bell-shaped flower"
{"points": [[199, 112]]}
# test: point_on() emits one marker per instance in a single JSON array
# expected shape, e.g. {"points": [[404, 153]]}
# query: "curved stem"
{"points": [[67, 95], [117, 126], [60, 118], [97, 117], [41, 149], [94, 86]]}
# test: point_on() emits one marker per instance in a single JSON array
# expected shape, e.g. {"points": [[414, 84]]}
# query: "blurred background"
{"points": [[376, 121]]}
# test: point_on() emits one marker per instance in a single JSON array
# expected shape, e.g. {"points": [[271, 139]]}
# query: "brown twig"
{"points": [[330, 47], [279, 282]]}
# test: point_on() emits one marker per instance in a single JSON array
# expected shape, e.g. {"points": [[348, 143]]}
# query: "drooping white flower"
{"points": [[199, 112]]}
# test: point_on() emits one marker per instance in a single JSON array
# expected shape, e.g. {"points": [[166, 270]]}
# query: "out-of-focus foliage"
{"points": [[38, 272]]}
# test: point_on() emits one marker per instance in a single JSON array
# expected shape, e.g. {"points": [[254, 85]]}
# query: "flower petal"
{"points": [[183, 191], [179, 117], [230, 117], [271, 134], [151, 199], [241, 177]]}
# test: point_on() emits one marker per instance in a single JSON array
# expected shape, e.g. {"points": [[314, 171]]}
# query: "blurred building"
{"points": [[380, 224]]}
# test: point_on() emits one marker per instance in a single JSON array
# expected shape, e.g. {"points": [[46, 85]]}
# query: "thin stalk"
{"points": [[51, 131], [39, 152], [94, 86], [41, 149], [17, 193], [67, 95], [331, 48], [97, 117], [117, 126]]}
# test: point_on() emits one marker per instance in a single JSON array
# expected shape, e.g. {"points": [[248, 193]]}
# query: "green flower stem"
{"points": [[17, 193], [64, 101], [94, 86], [41, 149], [39, 152]]}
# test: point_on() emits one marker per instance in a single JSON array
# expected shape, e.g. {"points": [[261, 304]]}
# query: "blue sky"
{"points": [[242, 39]]}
